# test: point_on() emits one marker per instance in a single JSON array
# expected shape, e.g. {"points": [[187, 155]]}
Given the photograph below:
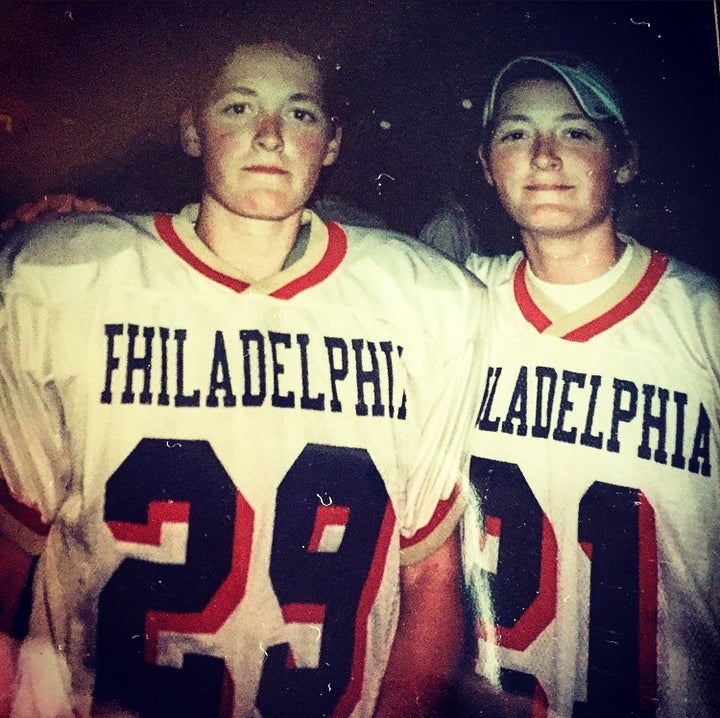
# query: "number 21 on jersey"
{"points": [[616, 531]]}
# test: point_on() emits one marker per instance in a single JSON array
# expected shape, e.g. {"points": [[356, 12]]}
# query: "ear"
{"points": [[333, 148], [486, 166], [189, 136], [627, 172]]}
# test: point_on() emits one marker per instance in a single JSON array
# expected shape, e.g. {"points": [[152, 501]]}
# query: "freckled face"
{"points": [[551, 164], [263, 135]]}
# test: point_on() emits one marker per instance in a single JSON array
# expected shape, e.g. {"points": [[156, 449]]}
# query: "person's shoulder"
{"points": [[365, 240], [75, 238], [692, 298], [493, 270], [689, 300], [691, 279], [681, 283], [63, 256], [414, 283], [404, 257]]}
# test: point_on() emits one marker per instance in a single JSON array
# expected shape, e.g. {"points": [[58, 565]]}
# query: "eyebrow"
{"points": [[513, 118], [526, 118], [575, 116], [295, 97]]}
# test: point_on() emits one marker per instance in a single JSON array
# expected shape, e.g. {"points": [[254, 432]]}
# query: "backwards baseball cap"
{"points": [[593, 90]]}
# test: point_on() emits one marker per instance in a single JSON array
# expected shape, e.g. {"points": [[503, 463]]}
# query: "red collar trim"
{"points": [[624, 308], [529, 309], [334, 253]]}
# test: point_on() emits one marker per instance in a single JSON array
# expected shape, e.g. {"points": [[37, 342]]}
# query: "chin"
{"points": [[275, 213], [269, 216], [261, 208], [262, 211], [549, 220]]}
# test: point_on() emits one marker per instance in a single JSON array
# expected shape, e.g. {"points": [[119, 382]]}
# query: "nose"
{"points": [[544, 153], [268, 135]]}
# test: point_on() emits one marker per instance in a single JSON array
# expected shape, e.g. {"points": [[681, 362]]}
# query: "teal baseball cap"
{"points": [[592, 88]]}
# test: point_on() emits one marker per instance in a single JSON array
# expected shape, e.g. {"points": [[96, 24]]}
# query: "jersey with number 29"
{"points": [[595, 452], [229, 476]]}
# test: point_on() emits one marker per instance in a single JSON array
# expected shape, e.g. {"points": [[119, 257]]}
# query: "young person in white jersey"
{"points": [[235, 437], [595, 448]]}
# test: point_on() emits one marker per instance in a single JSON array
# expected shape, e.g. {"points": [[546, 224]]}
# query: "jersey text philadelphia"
{"points": [[146, 365], [660, 425]]}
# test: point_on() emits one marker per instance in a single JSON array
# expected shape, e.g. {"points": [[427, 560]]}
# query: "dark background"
{"points": [[90, 92]]}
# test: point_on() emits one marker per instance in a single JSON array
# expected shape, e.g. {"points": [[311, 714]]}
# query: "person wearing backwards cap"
{"points": [[596, 447]]}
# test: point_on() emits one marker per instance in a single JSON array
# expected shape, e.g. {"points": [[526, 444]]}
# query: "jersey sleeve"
{"points": [[492, 270], [33, 461], [437, 491], [707, 302]]}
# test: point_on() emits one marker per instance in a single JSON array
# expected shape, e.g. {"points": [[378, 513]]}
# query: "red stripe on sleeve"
{"points": [[28, 516], [441, 512]]}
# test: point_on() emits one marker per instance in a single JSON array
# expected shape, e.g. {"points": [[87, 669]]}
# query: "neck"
{"points": [[258, 248], [572, 259]]}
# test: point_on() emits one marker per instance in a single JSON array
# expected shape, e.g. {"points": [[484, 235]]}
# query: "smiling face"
{"points": [[262, 133], [550, 164]]}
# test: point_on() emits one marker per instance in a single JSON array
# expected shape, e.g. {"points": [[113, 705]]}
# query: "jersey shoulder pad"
{"points": [[405, 258], [494, 270], [64, 254], [76, 238]]}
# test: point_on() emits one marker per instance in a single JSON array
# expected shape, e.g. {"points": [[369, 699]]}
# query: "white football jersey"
{"points": [[229, 476], [595, 455]]}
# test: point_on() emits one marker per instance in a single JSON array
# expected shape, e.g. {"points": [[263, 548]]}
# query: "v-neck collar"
{"points": [[617, 302], [326, 248]]}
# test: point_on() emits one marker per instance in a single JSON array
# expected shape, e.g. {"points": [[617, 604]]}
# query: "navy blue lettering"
{"points": [[111, 361], [402, 411], [541, 429], [142, 364], [621, 387], [316, 403], [677, 460], [483, 422], [587, 438], [659, 423], [700, 459], [386, 348], [337, 373], [518, 406], [278, 399], [252, 337], [561, 433], [182, 399], [163, 396], [367, 376], [220, 366]]}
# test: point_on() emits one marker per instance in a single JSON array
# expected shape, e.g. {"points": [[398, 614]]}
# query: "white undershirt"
{"points": [[573, 296]]}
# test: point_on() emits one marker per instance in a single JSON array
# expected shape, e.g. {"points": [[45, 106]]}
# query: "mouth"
{"points": [[548, 187], [265, 169]]}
